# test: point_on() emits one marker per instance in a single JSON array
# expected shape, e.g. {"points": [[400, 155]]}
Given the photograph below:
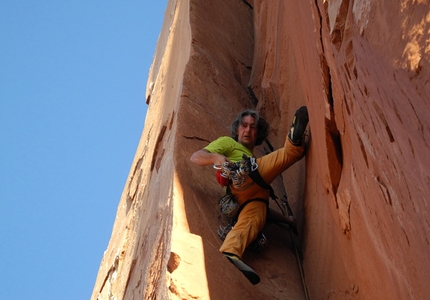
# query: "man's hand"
{"points": [[219, 159]]}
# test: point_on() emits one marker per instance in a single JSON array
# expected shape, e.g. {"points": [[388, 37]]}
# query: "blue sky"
{"points": [[72, 108]]}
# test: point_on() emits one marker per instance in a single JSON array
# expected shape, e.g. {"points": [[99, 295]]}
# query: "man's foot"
{"points": [[279, 219], [244, 268], [298, 127]]}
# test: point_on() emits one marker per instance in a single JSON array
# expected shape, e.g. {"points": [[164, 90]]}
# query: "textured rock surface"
{"points": [[361, 193]]}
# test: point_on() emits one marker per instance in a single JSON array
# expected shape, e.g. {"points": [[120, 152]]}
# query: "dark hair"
{"points": [[262, 126]]}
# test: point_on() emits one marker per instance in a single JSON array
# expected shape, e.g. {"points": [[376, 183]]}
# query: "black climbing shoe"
{"points": [[298, 127], [244, 268]]}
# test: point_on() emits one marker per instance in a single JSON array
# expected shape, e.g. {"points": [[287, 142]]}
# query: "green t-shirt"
{"points": [[229, 148]]}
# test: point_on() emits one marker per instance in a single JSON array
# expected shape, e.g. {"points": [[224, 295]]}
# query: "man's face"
{"points": [[247, 132]]}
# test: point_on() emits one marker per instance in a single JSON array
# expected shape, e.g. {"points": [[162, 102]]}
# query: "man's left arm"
{"points": [[203, 158]]}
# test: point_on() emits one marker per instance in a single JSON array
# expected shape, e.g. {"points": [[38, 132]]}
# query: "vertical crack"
{"points": [[252, 95], [248, 4], [333, 140]]}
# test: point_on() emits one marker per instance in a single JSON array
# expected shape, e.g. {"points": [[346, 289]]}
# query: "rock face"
{"points": [[361, 193]]}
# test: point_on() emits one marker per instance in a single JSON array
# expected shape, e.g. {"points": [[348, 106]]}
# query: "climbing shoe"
{"points": [[298, 127], [244, 268]]}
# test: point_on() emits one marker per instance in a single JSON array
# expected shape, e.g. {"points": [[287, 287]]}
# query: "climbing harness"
{"points": [[229, 208]]}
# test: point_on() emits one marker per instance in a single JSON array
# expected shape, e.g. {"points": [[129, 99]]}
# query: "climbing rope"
{"points": [[285, 208]]}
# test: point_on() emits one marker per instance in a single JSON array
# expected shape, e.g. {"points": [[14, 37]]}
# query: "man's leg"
{"points": [[273, 164], [279, 219], [275, 217], [251, 221]]}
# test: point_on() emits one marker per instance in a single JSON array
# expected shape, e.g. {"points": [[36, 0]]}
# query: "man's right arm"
{"points": [[204, 157]]}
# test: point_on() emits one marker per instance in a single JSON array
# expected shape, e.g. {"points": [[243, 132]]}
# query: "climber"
{"points": [[247, 131]]}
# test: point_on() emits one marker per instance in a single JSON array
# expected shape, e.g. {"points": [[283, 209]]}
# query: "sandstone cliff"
{"points": [[361, 193]]}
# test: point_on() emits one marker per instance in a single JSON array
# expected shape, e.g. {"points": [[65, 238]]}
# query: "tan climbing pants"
{"points": [[253, 216]]}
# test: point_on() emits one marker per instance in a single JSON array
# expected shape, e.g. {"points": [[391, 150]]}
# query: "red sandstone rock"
{"points": [[361, 193]]}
